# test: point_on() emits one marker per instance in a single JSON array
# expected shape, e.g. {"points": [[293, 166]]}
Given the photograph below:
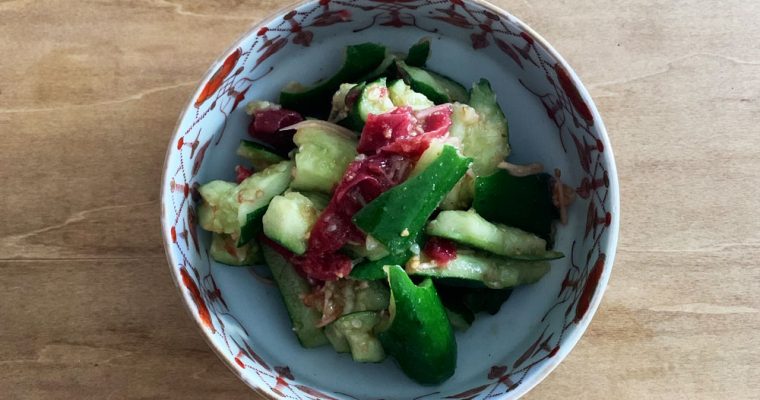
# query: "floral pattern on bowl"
{"points": [[552, 120]]}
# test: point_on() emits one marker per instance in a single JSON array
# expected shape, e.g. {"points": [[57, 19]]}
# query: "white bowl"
{"points": [[552, 120]]}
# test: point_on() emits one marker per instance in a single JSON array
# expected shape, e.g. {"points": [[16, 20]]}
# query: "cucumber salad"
{"points": [[381, 201]]}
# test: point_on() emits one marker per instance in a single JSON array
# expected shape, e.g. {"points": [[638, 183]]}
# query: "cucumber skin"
{"points": [[436, 87], [413, 202], [420, 336], [469, 228], [493, 272], [359, 60], [292, 286]]}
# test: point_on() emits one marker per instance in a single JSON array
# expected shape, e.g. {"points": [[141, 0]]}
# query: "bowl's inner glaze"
{"points": [[550, 122]]}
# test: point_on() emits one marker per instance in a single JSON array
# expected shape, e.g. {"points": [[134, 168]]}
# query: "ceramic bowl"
{"points": [[552, 120]]}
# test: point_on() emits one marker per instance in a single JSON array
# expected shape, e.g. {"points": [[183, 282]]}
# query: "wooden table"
{"points": [[90, 92]]}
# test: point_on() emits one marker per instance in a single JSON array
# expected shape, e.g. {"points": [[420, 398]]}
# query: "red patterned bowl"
{"points": [[552, 120]]}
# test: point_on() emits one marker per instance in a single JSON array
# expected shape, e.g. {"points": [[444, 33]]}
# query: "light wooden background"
{"points": [[89, 94]]}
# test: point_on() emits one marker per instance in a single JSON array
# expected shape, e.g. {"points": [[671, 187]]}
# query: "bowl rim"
{"points": [[568, 342]]}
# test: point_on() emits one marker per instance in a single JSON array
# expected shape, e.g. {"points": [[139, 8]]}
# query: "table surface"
{"points": [[90, 92]]}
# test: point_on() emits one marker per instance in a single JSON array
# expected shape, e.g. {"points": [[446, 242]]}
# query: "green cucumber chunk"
{"points": [[224, 249], [357, 329], [402, 95], [360, 60], [340, 109], [373, 99], [434, 86], [373, 270], [482, 128], [259, 155], [254, 194], [218, 212], [418, 54], [419, 335], [289, 219], [382, 71], [322, 158], [337, 339], [493, 272], [469, 301], [237, 210], [522, 202], [318, 200], [412, 202], [292, 288], [469, 228]]}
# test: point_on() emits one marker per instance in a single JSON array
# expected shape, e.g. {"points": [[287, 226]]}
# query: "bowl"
{"points": [[552, 120]]}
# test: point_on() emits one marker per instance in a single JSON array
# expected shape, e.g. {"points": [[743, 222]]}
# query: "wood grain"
{"points": [[88, 101]]}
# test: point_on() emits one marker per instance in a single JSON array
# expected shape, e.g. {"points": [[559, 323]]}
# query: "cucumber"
{"points": [[373, 99], [419, 53], [340, 109], [218, 212], [493, 272], [461, 196], [259, 155], [371, 296], [522, 202], [289, 219], [402, 95], [434, 86], [373, 270], [418, 334], [356, 328], [482, 128], [469, 228], [371, 250], [337, 339], [322, 158], [224, 249], [319, 200], [383, 70], [412, 202], [237, 210], [292, 288], [253, 196], [360, 60]]}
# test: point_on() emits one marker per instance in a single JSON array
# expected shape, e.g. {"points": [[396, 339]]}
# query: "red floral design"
{"points": [[230, 84]]}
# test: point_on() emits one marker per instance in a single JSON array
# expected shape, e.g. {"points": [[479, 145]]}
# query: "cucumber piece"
{"points": [[461, 196], [372, 250], [218, 212], [493, 272], [337, 339], [253, 196], [318, 200], [224, 249], [434, 86], [419, 53], [419, 335], [482, 128], [383, 70], [237, 210], [259, 155], [322, 158], [340, 109], [402, 95], [373, 99], [412, 202], [522, 202], [467, 227], [356, 328], [469, 301], [373, 270], [360, 60], [371, 296], [289, 219], [292, 287]]}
